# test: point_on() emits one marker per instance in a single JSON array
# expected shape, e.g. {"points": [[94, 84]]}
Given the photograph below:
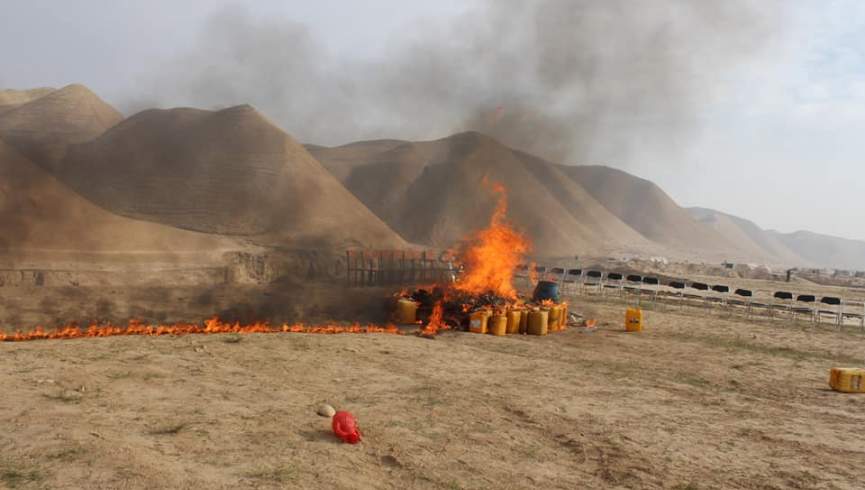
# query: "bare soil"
{"points": [[695, 401]]}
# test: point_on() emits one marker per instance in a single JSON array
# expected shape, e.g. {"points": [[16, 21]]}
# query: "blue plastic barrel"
{"points": [[546, 290]]}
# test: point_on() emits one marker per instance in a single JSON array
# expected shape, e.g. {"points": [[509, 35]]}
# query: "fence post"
{"points": [[348, 268]]}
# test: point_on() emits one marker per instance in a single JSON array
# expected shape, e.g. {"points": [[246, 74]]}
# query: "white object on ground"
{"points": [[325, 410]]}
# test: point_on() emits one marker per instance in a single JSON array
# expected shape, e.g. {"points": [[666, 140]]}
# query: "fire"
{"points": [[493, 255], [436, 322], [211, 326]]}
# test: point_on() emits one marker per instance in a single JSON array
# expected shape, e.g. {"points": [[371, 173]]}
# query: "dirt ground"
{"points": [[695, 401]]}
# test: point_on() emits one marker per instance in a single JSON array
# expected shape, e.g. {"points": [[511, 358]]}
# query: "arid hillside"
{"points": [[825, 250], [43, 128], [646, 208], [10, 98], [433, 193], [234, 173], [747, 235], [228, 172], [566, 209], [803, 248], [38, 214]]}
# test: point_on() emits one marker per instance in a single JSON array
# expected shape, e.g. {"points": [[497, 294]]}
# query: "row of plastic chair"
{"points": [[595, 281], [783, 303]]}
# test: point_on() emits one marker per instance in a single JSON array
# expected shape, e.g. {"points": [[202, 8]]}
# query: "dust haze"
{"points": [[572, 81]]}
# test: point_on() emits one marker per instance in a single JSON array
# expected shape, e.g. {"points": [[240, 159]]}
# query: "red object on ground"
{"points": [[345, 427]]}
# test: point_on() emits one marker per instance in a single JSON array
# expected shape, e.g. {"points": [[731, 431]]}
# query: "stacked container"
{"points": [[538, 322], [478, 321]]}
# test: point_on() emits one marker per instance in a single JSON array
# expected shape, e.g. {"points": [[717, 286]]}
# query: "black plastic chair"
{"points": [[697, 286], [742, 298], [573, 279], [679, 291], [633, 282], [594, 279], [721, 297], [782, 302], [805, 305], [858, 314], [613, 281], [834, 313], [652, 284]]}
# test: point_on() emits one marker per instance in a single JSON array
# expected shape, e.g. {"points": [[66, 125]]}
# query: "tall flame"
{"points": [[493, 254], [436, 322]]}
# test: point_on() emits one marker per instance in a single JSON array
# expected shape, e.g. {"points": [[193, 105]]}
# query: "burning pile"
{"points": [[483, 299]]}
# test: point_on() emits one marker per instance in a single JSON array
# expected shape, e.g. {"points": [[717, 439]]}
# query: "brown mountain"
{"points": [[747, 235], [229, 172], [10, 99], [39, 213], [432, 193], [648, 209], [825, 250], [802, 248], [43, 128]]}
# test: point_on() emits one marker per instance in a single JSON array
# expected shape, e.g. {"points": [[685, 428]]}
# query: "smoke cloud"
{"points": [[570, 80]]}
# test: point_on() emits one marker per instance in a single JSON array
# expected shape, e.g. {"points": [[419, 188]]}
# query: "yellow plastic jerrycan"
{"points": [[498, 325], [406, 311], [537, 322], [478, 321], [847, 380], [514, 319], [564, 321], [555, 319], [634, 320]]}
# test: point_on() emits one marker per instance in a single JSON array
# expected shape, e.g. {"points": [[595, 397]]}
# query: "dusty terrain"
{"points": [[695, 401]]}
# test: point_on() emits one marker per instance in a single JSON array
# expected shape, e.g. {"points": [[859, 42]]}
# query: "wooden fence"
{"points": [[365, 268]]}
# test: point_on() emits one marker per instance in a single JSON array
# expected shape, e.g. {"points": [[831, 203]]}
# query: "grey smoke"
{"points": [[570, 80]]}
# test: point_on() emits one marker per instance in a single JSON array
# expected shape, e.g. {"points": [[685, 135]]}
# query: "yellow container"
{"points": [[524, 321], [478, 321], [847, 380], [406, 311], [537, 324], [555, 319], [514, 319], [498, 325], [634, 320], [564, 323]]}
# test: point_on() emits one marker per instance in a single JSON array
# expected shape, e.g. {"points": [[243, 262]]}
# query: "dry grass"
{"points": [[168, 430], [692, 402], [15, 475], [273, 474]]}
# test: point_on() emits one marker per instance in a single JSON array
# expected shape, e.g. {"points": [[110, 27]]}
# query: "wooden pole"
{"points": [[348, 268]]}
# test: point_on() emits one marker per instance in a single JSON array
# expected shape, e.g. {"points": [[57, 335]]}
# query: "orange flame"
{"points": [[494, 254], [435, 323], [211, 326]]}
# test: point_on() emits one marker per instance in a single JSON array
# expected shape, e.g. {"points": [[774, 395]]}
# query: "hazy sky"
{"points": [[779, 141]]}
